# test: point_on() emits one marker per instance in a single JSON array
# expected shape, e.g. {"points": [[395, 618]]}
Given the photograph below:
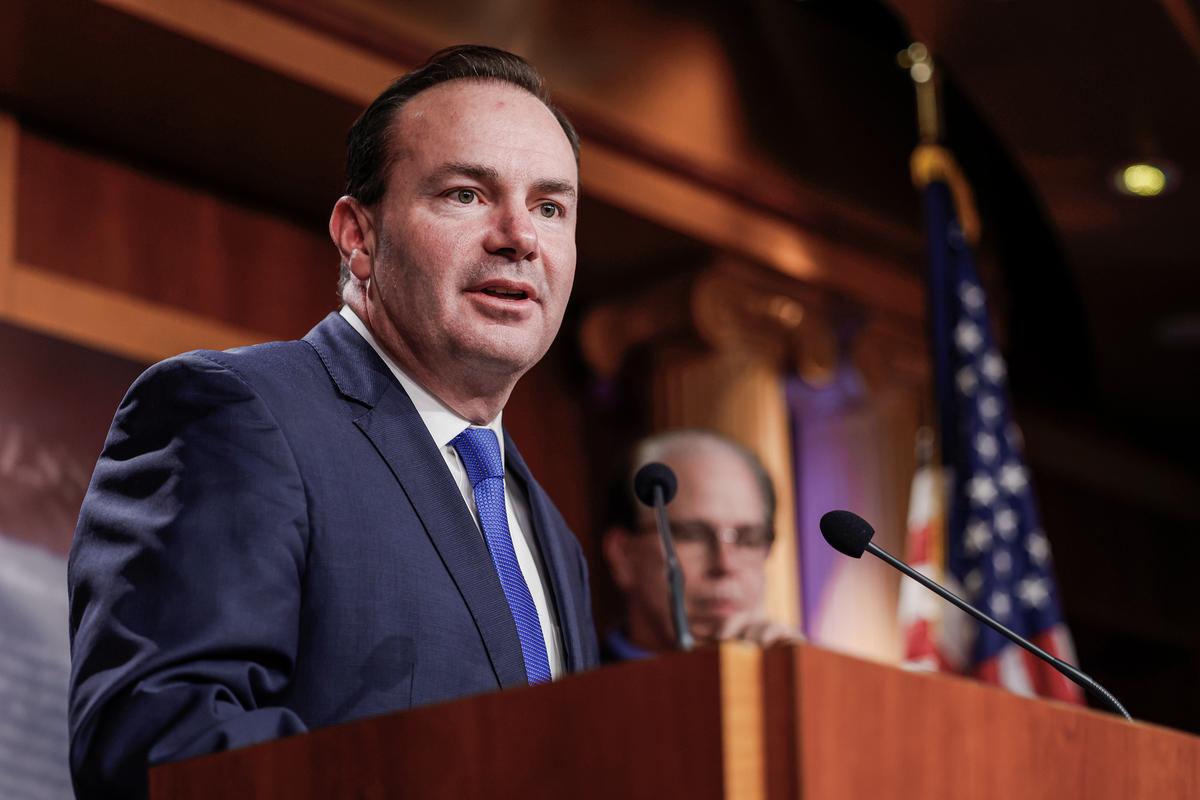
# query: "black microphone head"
{"points": [[846, 532], [651, 475]]}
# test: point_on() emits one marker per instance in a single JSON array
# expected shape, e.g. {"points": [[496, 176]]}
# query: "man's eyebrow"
{"points": [[552, 186], [484, 174], [476, 172]]}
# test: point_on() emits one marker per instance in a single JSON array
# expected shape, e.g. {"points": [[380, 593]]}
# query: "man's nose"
{"points": [[721, 554], [512, 233]]}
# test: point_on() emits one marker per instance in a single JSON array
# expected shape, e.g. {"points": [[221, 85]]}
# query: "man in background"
{"points": [[722, 524], [302, 533]]}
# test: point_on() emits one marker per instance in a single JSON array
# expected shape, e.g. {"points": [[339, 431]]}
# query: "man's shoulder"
{"points": [[261, 361], [265, 361], [254, 364], [280, 374]]}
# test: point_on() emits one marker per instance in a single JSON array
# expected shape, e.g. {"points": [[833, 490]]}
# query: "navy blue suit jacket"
{"points": [[272, 542]]}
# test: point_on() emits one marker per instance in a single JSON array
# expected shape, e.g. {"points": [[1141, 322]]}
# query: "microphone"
{"points": [[655, 485], [655, 476], [850, 535]]}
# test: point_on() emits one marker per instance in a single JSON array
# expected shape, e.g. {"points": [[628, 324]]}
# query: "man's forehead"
{"points": [[715, 482], [476, 112], [458, 98], [702, 454]]}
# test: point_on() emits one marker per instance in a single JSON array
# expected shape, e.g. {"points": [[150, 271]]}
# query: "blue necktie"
{"points": [[480, 454]]}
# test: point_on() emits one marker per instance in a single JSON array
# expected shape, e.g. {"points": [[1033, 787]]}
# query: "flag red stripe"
{"points": [[918, 544], [1045, 679], [1049, 681]]}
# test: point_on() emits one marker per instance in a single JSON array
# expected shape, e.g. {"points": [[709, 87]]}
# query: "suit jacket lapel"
{"points": [[558, 560], [402, 440]]}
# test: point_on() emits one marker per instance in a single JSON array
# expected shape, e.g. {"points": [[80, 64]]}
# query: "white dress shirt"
{"points": [[444, 425]]}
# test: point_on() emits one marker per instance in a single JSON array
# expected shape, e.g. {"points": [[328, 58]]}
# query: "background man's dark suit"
{"points": [[310, 559]]}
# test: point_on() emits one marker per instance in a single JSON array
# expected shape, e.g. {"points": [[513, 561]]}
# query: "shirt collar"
{"points": [[443, 423]]}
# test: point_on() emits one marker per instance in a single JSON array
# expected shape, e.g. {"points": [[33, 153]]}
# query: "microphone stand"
{"points": [[683, 633]]}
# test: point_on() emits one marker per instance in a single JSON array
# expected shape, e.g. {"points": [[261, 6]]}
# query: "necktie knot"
{"points": [[480, 453]]}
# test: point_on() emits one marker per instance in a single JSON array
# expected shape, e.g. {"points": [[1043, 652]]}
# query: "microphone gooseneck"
{"points": [[655, 485], [850, 534]]}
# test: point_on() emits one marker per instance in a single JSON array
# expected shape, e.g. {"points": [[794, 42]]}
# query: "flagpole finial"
{"points": [[917, 59], [932, 162]]}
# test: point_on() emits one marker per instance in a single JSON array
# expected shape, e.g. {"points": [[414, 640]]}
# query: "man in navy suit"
{"points": [[301, 533]]}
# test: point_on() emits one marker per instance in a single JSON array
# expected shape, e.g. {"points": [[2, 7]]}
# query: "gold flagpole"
{"points": [[930, 161]]}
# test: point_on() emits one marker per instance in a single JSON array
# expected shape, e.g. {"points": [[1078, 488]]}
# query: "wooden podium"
{"points": [[734, 722]]}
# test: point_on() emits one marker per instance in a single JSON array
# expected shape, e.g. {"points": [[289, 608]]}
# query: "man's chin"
{"points": [[500, 352], [708, 630]]}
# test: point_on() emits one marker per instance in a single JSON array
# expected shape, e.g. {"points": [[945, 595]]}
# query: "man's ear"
{"points": [[352, 228], [616, 545]]}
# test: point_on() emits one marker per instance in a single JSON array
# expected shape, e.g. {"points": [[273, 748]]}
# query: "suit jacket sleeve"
{"points": [[184, 579], [590, 657]]}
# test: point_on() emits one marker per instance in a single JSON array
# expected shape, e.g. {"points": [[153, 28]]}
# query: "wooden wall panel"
{"points": [[93, 219], [8, 203], [95, 74], [545, 416], [56, 403], [111, 321], [305, 55]]}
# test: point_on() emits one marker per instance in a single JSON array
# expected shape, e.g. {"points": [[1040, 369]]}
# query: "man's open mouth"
{"points": [[505, 294], [506, 289]]}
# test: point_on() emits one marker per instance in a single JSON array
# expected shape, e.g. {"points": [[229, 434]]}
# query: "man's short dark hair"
{"points": [[369, 146], [621, 507]]}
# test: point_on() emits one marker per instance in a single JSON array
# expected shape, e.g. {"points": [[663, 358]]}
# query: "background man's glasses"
{"points": [[743, 537]]}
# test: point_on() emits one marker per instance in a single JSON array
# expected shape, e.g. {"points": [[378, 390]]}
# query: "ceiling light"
{"points": [[1145, 178]]}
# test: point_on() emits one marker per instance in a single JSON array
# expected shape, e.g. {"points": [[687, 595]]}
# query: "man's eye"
{"points": [[465, 196], [689, 532], [549, 210]]}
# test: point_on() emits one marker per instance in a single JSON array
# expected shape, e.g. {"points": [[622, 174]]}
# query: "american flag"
{"points": [[973, 521]]}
